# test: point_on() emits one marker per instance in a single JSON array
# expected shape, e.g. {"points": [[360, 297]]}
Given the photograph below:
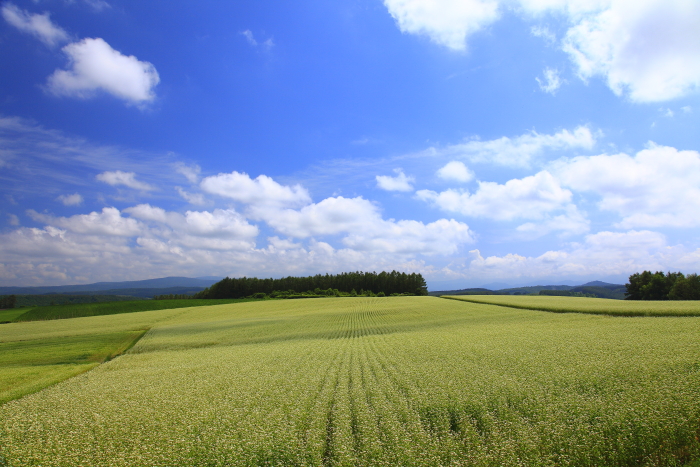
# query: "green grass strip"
{"points": [[80, 310], [31, 365], [594, 306]]}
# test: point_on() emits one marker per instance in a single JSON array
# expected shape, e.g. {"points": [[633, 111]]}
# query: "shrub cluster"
{"points": [[660, 286]]}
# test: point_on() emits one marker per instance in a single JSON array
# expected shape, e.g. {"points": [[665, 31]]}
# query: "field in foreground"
{"points": [[600, 306], [360, 381]]}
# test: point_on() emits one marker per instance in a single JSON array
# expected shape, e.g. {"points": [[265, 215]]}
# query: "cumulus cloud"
{"points": [[220, 229], [261, 191], [37, 25], [96, 66], [398, 183], [551, 82], [658, 187], [645, 49], [365, 229], [455, 171], [108, 222], [519, 151], [445, 22], [571, 222], [529, 198], [598, 255], [71, 200], [127, 179]]}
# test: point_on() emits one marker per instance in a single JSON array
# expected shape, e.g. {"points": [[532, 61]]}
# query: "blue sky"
{"points": [[474, 141]]}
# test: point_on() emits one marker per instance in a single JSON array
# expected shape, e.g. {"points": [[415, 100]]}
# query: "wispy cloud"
{"points": [[37, 25]]}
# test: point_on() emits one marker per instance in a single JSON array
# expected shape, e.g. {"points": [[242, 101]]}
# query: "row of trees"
{"points": [[173, 296], [660, 286], [387, 283], [8, 301]]}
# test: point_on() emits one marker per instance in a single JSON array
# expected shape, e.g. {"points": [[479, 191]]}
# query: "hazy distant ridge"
{"points": [[161, 283]]}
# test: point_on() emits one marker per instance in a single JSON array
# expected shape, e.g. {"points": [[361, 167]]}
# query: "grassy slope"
{"points": [[588, 305], [11, 314], [39, 354], [389, 381], [110, 308]]}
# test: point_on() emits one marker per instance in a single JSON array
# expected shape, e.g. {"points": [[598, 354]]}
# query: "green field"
{"points": [[365, 381], [599, 306], [80, 310]]}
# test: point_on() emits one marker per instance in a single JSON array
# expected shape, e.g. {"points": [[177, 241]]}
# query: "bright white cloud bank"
{"points": [[96, 66], [645, 49], [598, 255], [658, 187], [37, 25], [529, 198]]}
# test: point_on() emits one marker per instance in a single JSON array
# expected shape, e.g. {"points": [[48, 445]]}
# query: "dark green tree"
{"points": [[686, 288]]}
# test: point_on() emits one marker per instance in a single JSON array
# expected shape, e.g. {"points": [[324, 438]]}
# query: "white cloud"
{"points": [[658, 187], [551, 82], [330, 216], [519, 151], [96, 66], [192, 198], [191, 172], [442, 237], [127, 179], [108, 222], [544, 33], [399, 183], [455, 171], [529, 198], [365, 230], [220, 229], [12, 219], [37, 25], [646, 49], [71, 200], [445, 22], [571, 222], [248, 34], [97, 5], [603, 254], [687, 109], [262, 190]]}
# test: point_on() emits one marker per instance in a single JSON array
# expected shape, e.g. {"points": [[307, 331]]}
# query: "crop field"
{"points": [[600, 306], [410, 381]]}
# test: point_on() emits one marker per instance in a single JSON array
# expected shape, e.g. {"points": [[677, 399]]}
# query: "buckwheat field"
{"points": [[410, 381]]}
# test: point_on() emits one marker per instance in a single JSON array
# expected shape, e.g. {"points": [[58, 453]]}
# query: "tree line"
{"points": [[659, 286], [347, 283], [8, 301]]}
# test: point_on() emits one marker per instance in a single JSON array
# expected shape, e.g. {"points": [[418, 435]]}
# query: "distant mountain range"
{"points": [[144, 288], [598, 288]]}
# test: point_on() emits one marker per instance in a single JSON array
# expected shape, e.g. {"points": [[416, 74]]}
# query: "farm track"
{"points": [[371, 382]]}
